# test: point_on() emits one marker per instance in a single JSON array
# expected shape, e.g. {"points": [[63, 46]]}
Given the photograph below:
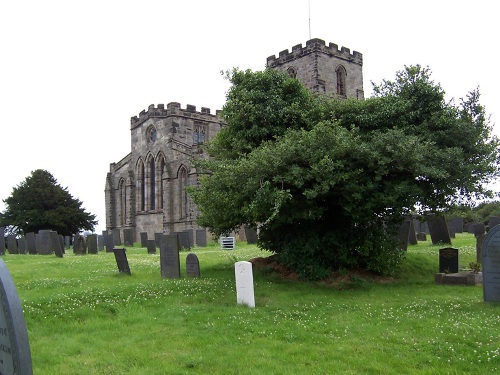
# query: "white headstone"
{"points": [[244, 284]]}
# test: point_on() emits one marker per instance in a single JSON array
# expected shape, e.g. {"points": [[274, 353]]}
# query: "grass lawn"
{"points": [[85, 318]]}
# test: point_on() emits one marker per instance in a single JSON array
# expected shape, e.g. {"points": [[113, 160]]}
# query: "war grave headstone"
{"points": [[478, 229], [227, 243], [251, 235], [31, 243], [438, 230], [43, 243], [100, 242], [128, 237], [412, 236], [117, 240], [491, 265], [169, 256], [12, 244], [108, 242], [122, 261], [56, 245], [144, 239], [404, 235], [21, 245], [192, 265], [15, 356], [201, 238], [184, 243], [158, 239], [244, 283], [79, 246], [493, 222], [448, 260], [458, 224], [151, 246], [92, 243]]}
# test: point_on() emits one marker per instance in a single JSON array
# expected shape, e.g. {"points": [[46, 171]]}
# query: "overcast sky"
{"points": [[73, 73]]}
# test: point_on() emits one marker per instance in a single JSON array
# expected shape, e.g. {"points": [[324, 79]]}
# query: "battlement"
{"points": [[173, 108], [315, 45]]}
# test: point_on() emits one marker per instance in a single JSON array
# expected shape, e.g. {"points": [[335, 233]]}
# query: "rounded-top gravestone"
{"points": [[15, 355]]}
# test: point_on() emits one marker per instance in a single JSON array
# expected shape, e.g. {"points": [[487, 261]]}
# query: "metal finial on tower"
{"points": [[309, 1]]}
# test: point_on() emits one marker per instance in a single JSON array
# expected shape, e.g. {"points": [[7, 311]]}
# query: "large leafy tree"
{"points": [[39, 202], [328, 181]]}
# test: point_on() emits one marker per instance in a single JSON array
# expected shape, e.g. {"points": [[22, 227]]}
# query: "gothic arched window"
{"points": [[341, 81], [141, 186]]}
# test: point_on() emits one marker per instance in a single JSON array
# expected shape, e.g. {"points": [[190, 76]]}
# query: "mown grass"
{"points": [[85, 318]]}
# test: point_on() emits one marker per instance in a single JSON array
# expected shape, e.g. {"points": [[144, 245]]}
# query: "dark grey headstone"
{"points": [[122, 261], [451, 231], [192, 265], [128, 237], [21, 245], [251, 235], [470, 227], [169, 257], [183, 240], [12, 244], [448, 260], [108, 242], [493, 222], [417, 225], [421, 236], [15, 355], [43, 243], [56, 244], [67, 242], [2, 240], [404, 235], [438, 230], [491, 265], [80, 246], [158, 239], [92, 243], [478, 229], [100, 242], [190, 237], [458, 224], [61, 242], [151, 245], [117, 240], [31, 243], [412, 236], [144, 239], [201, 237], [479, 247]]}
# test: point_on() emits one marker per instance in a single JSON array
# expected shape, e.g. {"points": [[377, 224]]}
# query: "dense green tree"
{"points": [[39, 202], [328, 181]]}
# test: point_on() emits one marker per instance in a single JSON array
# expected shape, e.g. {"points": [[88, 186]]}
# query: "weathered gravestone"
{"points": [[117, 240], [108, 242], [15, 356], [128, 237], [170, 265], [448, 260], [404, 234], [67, 242], [478, 229], [493, 222], [183, 238], [2, 240], [421, 236], [21, 245], [451, 231], [190, 237], [192, 265], [61, 242], [122, 261], [43, 243], [244, 283], [100, 242], [412, 236], [31, 243], [438, 230], [12, 244], [56, 244], [458, 224], [151, 245], [491, 265], [144, 239], [79, 246], [158, 239], [251, 235], [201, 237], [92, 243], [470, 227]]}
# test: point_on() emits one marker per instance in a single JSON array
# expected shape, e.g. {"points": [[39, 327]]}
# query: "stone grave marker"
{"points": [[438, 230], [158, 239], [451, 231], [421, 236], [448, 260], [244, 283], [21, 245], [67, 242], [201, 237], [128, 237], [43, 243], [61, 242], [192, 265], [412, 235], [458, 224], [108, 242], [2, 240], [493, 222], [404, 235], [56, 245], [251, 235], [479, 247], [478, 229], [184, 243], [170, 265], [12, 244], [417, 225], [92, 243], [190, 237], [470, 227], [117, 240], [100, 242], [491, 265], [144, 239], [15, 357], [122, 261], [151, 245], [31, 243], [80, 247]]}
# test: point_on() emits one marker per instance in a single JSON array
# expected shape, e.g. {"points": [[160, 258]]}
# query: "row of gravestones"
{"points": [[44, 242]]}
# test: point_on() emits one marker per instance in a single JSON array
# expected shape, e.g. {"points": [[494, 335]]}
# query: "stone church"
{"points": [[146, 190]]}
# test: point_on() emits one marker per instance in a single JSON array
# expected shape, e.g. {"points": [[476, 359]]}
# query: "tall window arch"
{"points": [[152, 184], [183, 198], [122, 189], [341, 80], [161, 174], [141, 186]]}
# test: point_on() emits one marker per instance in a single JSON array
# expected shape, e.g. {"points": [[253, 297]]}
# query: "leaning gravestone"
{"points": [[151, 245], [404, 235], [92, 243], [31, 243], [144, 239], [438, 230], [15, 355], [491, 265], [201, 237], [2, 240], [448, 260], [128, 237], [170, 265], [251, 235], [192, 265], [12, 244], [244, 283], [122, 261], [56, 244], [43, 243]]}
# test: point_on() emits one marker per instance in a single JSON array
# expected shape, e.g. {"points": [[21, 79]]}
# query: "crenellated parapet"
{"points": [[173, 108], [315, 46]]}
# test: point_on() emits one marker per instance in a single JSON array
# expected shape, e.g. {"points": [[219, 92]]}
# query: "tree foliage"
{"points": [[39, 202], [328, 181]]}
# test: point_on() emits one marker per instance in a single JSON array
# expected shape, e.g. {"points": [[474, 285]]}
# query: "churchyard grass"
{"points": [[85, 318]]}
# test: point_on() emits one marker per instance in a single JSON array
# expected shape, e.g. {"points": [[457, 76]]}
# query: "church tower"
{"points": [[323, 69]]}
